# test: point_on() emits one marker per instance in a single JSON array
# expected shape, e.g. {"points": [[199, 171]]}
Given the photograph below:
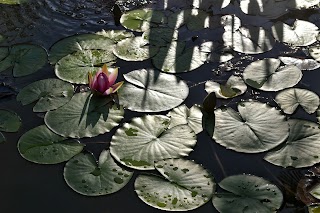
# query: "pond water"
{"points": [[30, 187]]}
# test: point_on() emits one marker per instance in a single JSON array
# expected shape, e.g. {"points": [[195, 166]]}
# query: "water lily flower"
{"points": [[104, 81]]}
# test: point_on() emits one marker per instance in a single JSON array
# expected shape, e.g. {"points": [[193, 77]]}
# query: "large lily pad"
{"points": [[184, 186], [256, 128], [271, 9], [24, 59], [267, 76], [85, 115], [74, 68], [248, 193], [50, 93], [152, 91], [41, 145], [234, 87], [77, 43], [302, 147], [290, 99], [175, 58], [302, 33], [142, 19], [9, 121], [302, 64], [160, 36], [115, 35], [91, 178], [184, 115], [135, 49], [145, 140]]}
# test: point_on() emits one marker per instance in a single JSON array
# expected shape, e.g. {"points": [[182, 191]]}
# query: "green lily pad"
{"points": [[160, 36], [143, 141], [142, 19], [301, 33], [74, 68], [248, 193], [256, 128], [302, 64], [175, 58], [40, 145], [85, 115], [290, 99], [301, 148], [234, 87], [135, 49], [271, 9], [9, 121], [184, 186], [152, 91], [115, 35], [91, 178], [77, 43], [183, 115], [24, 59], [267, 76], [50, 93], [2, 138], [13, 1], [314, 209]]}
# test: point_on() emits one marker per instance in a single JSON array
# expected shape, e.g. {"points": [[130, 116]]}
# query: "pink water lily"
{"points": [[104, 81]]}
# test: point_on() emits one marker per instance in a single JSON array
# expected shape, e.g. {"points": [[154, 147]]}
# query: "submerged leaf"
{"points": [[9, 121]]}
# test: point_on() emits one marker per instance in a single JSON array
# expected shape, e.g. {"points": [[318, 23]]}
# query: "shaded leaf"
{"points": [[271, 9], [9, 121]]}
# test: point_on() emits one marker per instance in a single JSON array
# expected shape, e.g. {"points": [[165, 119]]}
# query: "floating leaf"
{"points": [[301, 148], [145, 140], [91, 178], [301, 33], [185, 186], [248, 193], [267, 76], [160, 36], [40, 145], [175, 58], [13, 1], [74, 68], [142, 19], [234, 87], [183, 115], [77, 43], [85, 115], [115, 35], [135, 49], [290, 99], [152, 91], [314, 209], [302, 64], [50, 93], [301, 4], [9, 121], [24, 59], [216, 53], [256, 128], [271, 9]]}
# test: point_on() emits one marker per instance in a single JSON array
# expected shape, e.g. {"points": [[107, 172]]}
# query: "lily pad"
{"points": [[290, 99], [314, 51], [50, 93], [257, 127], [2, 38], [152, 91], [301, 148], [301, 33], [183, 115], [209, 4], [142, 19], [85, 115], [40, 145], [9, 121], [91, 178], [13, 1], [194, 19], [24, 59], [74, 68], [234, 87], [271, 9], [248, 193], [115, 35], [175, 58], [184, 186], [301, 4], [302, 64], [160, 36], [145, 140], [135, 49], [267, 76], [77, 43]]}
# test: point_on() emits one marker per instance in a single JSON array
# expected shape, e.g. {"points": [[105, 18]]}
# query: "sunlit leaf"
{"points": [[216, 52], [301, 4], [9, 121], [302, 64], [13, 1], [301, 148], [115, 35], [2, 138], [184, 186], [271, 9], [40, 145], [247, 193], [314, 209], [143, 141], [160, 36], [91, 178], [257, 127]]}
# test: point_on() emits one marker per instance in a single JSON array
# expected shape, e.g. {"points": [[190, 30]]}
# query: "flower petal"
{"points": [[102, 83], [117, 86], [108, 91], [90, 79], [105, 70], [113, 76]]}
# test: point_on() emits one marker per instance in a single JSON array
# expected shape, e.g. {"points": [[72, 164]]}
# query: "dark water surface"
{"points": [[29, 187]]}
